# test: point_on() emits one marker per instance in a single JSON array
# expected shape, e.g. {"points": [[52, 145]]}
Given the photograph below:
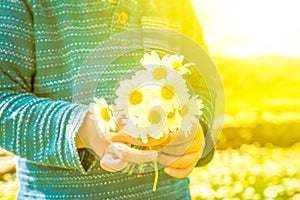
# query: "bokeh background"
{"points": [[256, 47]]}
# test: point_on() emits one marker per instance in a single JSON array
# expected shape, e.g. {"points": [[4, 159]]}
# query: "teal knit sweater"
{"points": [[42, 44]]}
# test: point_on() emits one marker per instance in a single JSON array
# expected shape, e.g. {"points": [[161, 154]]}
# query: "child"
{"points": [[42, 44]]}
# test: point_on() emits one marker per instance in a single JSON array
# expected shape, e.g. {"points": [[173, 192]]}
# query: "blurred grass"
{"points": [[249, 172], [264, 84], [262, 100]]}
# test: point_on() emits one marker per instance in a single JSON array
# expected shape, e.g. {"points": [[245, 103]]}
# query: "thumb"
{"points": [[129, 154], [112, 163]]}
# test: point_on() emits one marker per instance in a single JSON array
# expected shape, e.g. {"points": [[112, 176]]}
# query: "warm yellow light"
{"points": [[251, 27]]}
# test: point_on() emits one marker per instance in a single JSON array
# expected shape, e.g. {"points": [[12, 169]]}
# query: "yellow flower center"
{"points": [[167, 93], [184, 110], [135, 97], [171, 115], [154, 117], [176, 64], [104, 114], [159, 73]]}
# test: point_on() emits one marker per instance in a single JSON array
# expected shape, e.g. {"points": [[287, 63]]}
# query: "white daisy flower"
{"points": [[176, 62], [128, 93], [151, 59], [150, 123], [147, 118], [137, 112], [159, 70], [190, 113], [200, 106], [102, 114], [156, 118], [174, 94], [142, 77], [173, 123], [133, 100], [161, 73], [130, 128]]}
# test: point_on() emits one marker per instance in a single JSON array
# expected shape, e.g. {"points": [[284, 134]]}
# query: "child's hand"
{"points": [[182, 154], [114, 155]]}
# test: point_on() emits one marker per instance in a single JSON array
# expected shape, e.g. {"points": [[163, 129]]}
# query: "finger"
{"points": [[128, 154], [185, 148], [99, 146], [180, 138], [179, 173], [112, 163], [178, 161], [125, 138]]}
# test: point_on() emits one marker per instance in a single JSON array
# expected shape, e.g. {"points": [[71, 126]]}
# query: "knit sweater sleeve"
{"points": [[38, 129]]}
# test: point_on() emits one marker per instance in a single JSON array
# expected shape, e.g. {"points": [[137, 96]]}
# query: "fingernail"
{"points": [[167, 170], [155, 154], [111, 162]]}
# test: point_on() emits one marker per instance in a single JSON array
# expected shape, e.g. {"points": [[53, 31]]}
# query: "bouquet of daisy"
{"points": [[154, 103]]}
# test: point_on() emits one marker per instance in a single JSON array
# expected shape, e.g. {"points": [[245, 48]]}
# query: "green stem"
{"points": [[156, 176]]}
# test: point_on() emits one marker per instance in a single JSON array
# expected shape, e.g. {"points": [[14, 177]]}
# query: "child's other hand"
{"points": [[182, 154]]}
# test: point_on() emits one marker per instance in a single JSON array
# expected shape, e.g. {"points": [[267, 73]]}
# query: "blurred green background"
{"points": [[256, 46], [263, 100], [258, 150]]}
